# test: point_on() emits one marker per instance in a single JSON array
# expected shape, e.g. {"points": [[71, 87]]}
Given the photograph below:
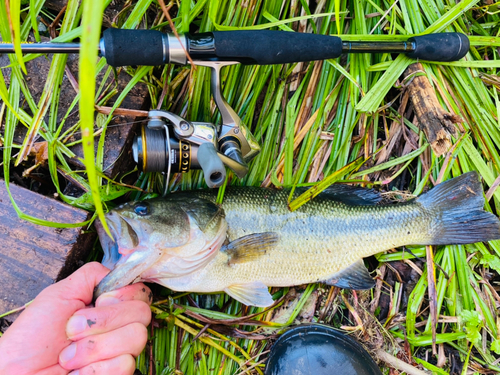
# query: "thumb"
{"points": [[79, 285]]}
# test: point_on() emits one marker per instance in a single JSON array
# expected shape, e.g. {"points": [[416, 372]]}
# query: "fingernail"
{"points": [[106, 301], [68, 353], [76, 372], [76, 324]]}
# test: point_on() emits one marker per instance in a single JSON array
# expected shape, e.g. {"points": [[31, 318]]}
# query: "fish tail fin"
{"points": [[461, 219]]}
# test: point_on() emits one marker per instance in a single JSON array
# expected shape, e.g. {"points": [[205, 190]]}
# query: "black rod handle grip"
{"points": [[264, 47], [443, 47], [122, 47]]}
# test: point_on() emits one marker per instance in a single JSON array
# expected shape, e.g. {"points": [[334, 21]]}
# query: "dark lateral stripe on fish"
{"points": [[463, 220]]}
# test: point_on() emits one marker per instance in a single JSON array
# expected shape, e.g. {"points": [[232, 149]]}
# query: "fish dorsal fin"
{"points": [[355, 277], [251, 294], [250, 247], [351, 195]]}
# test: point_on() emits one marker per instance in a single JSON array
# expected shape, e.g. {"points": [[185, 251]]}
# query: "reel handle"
{"points": [[211, 164]]}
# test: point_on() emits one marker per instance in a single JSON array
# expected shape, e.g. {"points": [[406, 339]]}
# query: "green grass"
{"points": [[315, 121]]}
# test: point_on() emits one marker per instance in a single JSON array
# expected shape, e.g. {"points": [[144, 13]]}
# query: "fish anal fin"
{"points": [[355, 277], [251, 294], [250, 247]]}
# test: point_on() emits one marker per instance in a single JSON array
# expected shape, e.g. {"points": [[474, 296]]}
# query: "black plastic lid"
{"points": [[319, 350]]}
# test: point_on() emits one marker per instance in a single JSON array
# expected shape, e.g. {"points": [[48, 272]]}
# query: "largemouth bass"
{"points": [[323, 241]]}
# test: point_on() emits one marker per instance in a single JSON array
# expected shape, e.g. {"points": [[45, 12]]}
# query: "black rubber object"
{"points": [[440, 47], [264, 47], [319, 350], [133, 47]]}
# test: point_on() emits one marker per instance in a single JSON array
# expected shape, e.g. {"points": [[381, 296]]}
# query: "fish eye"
{"points": [[141, 208]]}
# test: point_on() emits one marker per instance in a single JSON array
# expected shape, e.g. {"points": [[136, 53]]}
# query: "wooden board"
{"points": [[33, 257]]}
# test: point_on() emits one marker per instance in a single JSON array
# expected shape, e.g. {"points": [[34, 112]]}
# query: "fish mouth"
{"points": [[121, 232], [109, 245], [127, 270], [126, 260]]}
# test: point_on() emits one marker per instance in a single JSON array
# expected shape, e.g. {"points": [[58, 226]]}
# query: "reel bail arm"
{"points": [[236, 142]]}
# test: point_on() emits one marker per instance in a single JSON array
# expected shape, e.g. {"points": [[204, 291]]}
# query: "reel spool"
{"points": [[151, 152]]}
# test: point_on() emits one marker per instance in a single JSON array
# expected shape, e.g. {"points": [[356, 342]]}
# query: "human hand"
{"points": [[59, 332]]}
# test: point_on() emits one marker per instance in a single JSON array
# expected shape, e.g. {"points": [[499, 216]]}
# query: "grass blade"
{"points": [[91, 23]]}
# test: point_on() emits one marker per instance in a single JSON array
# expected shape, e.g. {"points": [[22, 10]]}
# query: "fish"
{"points": [[325, 240]]}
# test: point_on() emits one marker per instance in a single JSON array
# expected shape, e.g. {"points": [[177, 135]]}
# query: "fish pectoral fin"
{"points": [[251, 294], [250, 247], [355, 277]]}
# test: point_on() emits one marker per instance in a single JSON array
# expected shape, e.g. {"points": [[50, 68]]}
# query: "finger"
{"points": [[79, 285], [132, 292], [130, 339], [98, 320], [121, 365], [53, 370], [48, 315]]}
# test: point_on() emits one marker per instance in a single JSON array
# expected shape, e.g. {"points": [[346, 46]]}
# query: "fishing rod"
{"points": [[123, 47], [171, 144]]}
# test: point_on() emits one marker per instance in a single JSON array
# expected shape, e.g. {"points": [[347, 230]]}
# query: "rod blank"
{"points": [[42, 48]]}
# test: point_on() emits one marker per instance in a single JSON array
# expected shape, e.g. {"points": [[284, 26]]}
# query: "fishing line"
{"points": [[115, 125], [6, 148], [154, 149], [77, 133]]}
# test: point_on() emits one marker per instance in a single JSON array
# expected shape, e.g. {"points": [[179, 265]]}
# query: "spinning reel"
{"points": [[171, 144]]}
